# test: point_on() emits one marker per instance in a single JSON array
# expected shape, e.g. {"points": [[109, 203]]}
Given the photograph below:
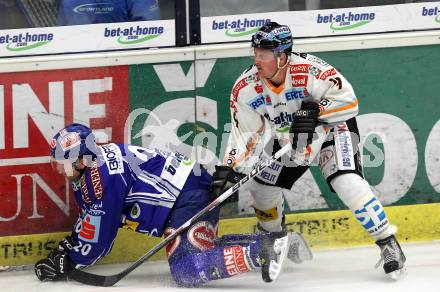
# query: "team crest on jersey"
{"points": [[201, 235], [174, 244]]}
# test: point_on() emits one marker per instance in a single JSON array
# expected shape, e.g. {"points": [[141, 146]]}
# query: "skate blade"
{"points": [[398, 274], [304, 253], [281, 247]]}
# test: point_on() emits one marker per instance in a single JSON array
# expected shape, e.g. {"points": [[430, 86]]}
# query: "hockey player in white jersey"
{"points": [[307, 102]]}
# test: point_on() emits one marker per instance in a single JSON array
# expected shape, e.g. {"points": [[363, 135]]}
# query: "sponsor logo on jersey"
{"points": [[324, 104], [317, 60], [299, 80], [95, 209], [328, 73], [230, 159], [90, 226], [235, 260], [258, 88], [432, 11], [235, 91], [201, 235], [279, 104], [312, 70], [256, 102], [113, 158], [239, 27], [268, 100], [84, 191], [96, 180], [299, 68], [344, 147], [295, 93], [346, 20], [174, 244], [282, 120]]}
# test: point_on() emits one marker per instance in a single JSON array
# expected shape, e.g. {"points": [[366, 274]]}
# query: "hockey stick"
{"points": [[106, 281]]}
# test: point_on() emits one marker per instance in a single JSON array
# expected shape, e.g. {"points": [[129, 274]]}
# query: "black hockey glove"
{"points": [[303, 126], [223, 178], [57, 265]]}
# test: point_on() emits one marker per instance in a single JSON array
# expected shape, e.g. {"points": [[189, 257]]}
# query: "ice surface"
{"points": [[336, 270]]}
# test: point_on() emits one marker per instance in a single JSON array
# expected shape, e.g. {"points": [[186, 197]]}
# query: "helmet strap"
{"points": [[279, 68]]}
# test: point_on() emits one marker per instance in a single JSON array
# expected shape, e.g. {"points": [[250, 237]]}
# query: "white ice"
{"points": [[337, 270]]}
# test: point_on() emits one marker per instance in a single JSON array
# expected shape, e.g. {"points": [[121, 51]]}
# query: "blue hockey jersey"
{"points": [[73, 12], [128, 186]]}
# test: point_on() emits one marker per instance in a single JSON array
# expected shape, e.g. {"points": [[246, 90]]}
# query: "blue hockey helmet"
{"points": [[275, 37], [72, 142]]}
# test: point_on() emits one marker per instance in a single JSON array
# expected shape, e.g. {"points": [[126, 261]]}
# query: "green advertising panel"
{"points": [[185, 104]]}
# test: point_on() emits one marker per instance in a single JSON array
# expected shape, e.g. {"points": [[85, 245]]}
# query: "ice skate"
{"points": [[392, 257], [273, 252]]}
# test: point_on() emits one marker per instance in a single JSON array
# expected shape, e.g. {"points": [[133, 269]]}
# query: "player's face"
{"points": [[64, 167], [266, 62]]}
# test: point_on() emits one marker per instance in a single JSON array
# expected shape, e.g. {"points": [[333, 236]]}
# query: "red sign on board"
{"points": [[33, 107]]}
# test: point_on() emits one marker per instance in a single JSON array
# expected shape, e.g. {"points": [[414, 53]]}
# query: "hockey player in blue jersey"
{"points": [[75, 12], [154, 193]]}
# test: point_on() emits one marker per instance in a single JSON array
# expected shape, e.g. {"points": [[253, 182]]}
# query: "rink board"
{"points": [[327, 229]]}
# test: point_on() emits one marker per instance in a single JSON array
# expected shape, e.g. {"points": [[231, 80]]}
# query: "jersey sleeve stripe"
{"points": [[340, 109]]}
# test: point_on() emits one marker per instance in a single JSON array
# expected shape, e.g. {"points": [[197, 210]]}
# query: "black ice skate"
{"points": [[299, 250], [273, 252], [392, 257]]}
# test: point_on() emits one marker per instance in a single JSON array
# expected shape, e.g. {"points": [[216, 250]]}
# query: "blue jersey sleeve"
{"points": [[101, 198]]}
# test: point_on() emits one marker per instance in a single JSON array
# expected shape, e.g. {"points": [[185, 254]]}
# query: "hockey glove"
{"points": [[303, 126], [56, 266], [223, 178]]}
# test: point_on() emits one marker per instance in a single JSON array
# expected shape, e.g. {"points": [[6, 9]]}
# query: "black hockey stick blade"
{"points": [[107, 281]]}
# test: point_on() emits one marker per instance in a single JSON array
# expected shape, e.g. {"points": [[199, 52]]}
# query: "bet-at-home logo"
{"points": [[346, 21], [25, 41], [432, 11], [239, 27], [134, 35]]}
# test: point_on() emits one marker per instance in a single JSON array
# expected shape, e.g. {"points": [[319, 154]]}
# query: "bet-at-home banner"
{"points": [[185, 106]]}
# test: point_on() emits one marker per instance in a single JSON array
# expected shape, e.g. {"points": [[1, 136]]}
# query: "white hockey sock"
{"points": [[356, 194]]}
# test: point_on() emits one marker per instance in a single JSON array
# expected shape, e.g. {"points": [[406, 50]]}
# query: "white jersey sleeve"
{"points": [[335, 95], [247, 127]]}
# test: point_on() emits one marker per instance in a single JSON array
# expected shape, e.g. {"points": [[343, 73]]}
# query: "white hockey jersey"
{"points": [[258, 108]]}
